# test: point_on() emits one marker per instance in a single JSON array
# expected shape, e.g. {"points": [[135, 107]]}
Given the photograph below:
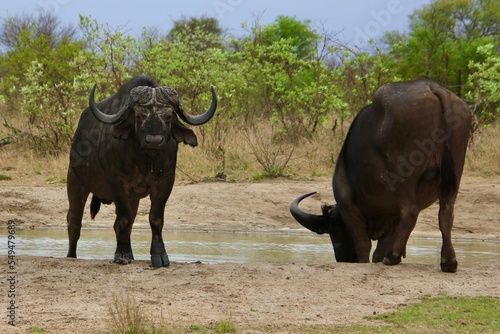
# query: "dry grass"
{"points": [[237, 161], [483, 155], [257, 151], [310, 158], [25, 167], [127, 316]]}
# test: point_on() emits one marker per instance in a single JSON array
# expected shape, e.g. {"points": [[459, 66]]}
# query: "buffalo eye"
{"points": [[165, 113], [168, 118], [140, 117]]}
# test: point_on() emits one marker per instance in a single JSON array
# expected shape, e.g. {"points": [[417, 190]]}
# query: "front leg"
{"points": [[352, 216], [126, 210], [384, 246], [159, 257], [123, 252], [395, 243], [77, 195], [361, 243]]}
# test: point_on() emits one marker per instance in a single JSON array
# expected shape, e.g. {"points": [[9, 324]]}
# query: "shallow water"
{"points": [[217, 247]]}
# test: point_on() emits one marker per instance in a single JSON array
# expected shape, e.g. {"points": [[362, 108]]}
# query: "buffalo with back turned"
{"points": [[402, 153], [124, 149]]}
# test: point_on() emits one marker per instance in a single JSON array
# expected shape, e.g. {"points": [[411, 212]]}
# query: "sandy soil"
{"points": [[64, 295]]}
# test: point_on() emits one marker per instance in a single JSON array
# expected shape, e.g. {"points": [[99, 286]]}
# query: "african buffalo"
{"points": [[124, 149], [402, 153]]}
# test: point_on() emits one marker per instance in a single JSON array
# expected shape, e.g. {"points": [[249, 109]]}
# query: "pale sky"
{"points": [[357, 20]]}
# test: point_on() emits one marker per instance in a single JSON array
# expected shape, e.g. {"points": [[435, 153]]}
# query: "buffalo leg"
{"points": [[159, 257], [126, 211], [408, 219], [448, 258], [362, 242], [350, 212], [385, 243], [77, 196], [384, 246]]}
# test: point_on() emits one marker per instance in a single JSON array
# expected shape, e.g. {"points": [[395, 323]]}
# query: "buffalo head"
{"points": [[329, 222], [152, 113]]}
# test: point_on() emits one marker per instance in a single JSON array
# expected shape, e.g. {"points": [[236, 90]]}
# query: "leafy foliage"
{"points": [[29, 39], [298, 35], [51, 116], [443, 38], [285, 76], [189, 29], [38, 79], [486, 81]]}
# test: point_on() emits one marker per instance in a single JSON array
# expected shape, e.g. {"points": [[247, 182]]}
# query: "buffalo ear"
{"points": [[183, 134], [123, 128], [122, 131]]}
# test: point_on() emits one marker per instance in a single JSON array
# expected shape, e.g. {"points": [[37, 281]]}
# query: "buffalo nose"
{"points": [[153, 140]]}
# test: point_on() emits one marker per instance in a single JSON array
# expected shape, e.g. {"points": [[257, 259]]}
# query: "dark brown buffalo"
{"points": [[402, 153], [124, 149]]}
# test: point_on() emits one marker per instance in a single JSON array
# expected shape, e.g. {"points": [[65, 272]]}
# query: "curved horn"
{"points": [[199, 119], [315, 223], [122, 114]]}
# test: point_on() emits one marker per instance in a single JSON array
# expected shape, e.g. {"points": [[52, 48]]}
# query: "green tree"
{"points": [[49, 82], [28, 39], [191, 65], [190, 29], [52, 109], [444, 36], [295, 90], [37, 75], [356, 78], [299, 35], [485, 79], [109, 57]]}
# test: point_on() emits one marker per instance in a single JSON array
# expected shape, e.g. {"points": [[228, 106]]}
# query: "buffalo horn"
{"points": [[315, 223], [122, 114], [199, 119]]}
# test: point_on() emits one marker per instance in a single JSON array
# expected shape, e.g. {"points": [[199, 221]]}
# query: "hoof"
{"points": [[159, 257], [392, 259], [449, 266], [160, 260], [125, 258]]}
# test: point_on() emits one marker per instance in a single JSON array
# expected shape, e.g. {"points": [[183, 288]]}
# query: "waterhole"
{"points": [[218, 247]]}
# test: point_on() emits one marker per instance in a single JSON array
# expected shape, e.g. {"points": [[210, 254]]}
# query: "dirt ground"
{"points": [[70, 295]]}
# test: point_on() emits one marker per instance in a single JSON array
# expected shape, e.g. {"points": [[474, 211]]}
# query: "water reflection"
{"points": [[217, 247]]}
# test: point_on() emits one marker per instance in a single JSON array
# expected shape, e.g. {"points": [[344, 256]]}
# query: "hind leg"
{"points": [[77, 196], [448, 259]]}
